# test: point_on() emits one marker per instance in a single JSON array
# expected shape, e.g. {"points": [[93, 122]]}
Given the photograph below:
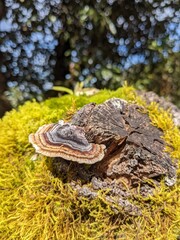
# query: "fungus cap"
{"points": [[66, 141]]}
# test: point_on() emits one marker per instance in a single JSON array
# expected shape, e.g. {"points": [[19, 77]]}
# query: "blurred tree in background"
{"points": [[161, 76], [101, 42]]}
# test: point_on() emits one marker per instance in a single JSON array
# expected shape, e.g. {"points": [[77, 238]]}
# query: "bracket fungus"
{"points": [[66, 141]]}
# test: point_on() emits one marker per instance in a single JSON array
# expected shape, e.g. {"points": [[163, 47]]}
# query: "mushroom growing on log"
{"points": [[116, 138]]}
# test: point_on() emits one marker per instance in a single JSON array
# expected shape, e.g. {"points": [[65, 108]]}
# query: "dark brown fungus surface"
{"points": [[66, 141]]}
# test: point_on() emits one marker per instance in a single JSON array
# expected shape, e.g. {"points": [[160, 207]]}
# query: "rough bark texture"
{"points": [[134, 153]]}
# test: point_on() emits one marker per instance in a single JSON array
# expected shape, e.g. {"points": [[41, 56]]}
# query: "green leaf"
{"points": [[112, 27], [63, 89]]}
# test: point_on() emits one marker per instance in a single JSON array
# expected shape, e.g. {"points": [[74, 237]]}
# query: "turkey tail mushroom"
{"points": [[66, 141]]}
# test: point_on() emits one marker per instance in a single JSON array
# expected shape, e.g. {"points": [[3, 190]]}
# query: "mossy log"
{"points": [[44, 198], [134, 152]]}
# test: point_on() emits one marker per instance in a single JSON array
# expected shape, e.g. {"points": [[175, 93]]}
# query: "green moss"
{"points": [[34, 205]]}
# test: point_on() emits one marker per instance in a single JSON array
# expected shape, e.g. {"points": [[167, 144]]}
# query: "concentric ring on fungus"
{"points": [[66, 141]]}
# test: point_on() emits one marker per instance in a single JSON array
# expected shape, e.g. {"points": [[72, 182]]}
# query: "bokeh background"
{"points": [[102, 43]]}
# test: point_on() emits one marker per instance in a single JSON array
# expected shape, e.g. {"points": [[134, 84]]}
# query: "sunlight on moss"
{"points": [[163, 120], [35, 205]]}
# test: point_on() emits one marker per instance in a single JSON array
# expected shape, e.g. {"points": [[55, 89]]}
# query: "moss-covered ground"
{"points": [[36, 206]]}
